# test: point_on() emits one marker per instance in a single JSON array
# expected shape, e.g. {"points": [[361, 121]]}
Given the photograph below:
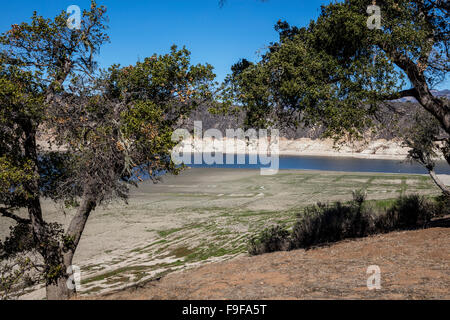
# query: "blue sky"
{"points": [[219, 36]]}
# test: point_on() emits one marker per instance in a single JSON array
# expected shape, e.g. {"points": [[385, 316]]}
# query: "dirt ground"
{"points": [[413, 265], [203, 216]]}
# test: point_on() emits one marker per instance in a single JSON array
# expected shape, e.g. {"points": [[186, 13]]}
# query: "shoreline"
{"points": [[331, 154], [445, 177], [380, 149]]}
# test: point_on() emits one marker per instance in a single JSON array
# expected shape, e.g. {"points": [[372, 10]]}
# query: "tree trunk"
{"points": [[439, 183], [78, 222], [57, 254], [33, 203], [49, 250], [437, 107], [60, 290]]}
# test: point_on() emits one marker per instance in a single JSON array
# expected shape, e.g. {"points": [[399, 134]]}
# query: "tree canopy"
{"points": [[79, 135], [336, 70]]}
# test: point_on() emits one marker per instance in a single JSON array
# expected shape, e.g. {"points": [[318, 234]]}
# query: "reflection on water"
{"points": [[347, 164]]}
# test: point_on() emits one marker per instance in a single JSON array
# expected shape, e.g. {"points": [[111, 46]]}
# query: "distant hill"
{"points": [[387, 120]]}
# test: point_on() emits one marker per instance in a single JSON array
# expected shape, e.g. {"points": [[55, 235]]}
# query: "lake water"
{"points": [[347, 164]]}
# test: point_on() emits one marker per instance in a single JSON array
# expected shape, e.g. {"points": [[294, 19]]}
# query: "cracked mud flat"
{"points": [[204, 216]]}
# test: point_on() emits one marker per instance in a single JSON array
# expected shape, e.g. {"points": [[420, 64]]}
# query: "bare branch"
{"points": [[445, 189], [7, 214]]}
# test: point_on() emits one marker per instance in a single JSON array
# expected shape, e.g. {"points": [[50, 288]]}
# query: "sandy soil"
{"points": [[413, 264]]}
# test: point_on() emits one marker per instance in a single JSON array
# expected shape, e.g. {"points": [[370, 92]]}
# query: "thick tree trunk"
{"points": [[437, 107], [60, 290]]}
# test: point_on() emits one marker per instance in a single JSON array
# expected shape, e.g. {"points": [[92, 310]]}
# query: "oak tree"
{"points": [[337, 72], [78, 135]]}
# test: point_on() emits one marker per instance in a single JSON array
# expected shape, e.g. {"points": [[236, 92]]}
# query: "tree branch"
{"points": [[445, 189], [402, 94], [7, 214], [76, 226]]}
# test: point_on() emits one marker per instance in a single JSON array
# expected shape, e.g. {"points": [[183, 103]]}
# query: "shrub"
{"points": [[442, 206], [275, 238], [408, 212], [325, 223]]}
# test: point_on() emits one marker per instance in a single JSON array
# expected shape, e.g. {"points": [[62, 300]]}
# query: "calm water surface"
{"points": [[347, 164]]}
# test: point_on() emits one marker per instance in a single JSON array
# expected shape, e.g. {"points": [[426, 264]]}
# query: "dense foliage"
{"points": [[336, 72], [78, 135], [325, 223]]}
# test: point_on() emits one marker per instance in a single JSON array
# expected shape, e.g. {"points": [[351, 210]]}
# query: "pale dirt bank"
{"points": [[375, 149], [366, 149], [413, 264]]}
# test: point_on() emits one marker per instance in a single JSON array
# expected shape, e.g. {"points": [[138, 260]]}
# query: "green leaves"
{"points": [[14, 178], [50, 50], [154, 97], [336, 71], [37, 60], [163, 78]]}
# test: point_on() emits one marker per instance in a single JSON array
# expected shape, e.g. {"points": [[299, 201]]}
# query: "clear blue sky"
{"points": [[219, 36]]}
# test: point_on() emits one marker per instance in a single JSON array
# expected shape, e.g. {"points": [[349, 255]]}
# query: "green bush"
{"points": [[442, 206], [326, 223], [275, 238], [408, 212]]}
